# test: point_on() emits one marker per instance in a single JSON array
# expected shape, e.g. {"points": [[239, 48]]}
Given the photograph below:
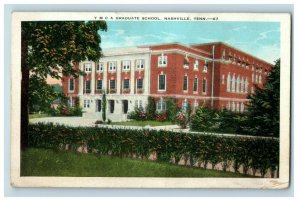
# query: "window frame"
{"points": [[112, 68], [195, 91], [185, 85], [89, 68], [165, 84], [162, 58], [204, 83], [100, 67], [126, 64], [97, 85], [73, 82], [139, 63]]}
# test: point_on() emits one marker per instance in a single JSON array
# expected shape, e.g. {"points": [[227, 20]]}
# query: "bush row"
{"points": [[256, 153]]}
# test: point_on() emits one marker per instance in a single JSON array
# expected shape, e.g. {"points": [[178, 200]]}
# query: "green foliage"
{"points": [[104, 102], [258, 153], [161, 116], [182, 119], [171, 109], [202, 120], [41, 95], [264, 106], [151, 108], [138, 114]]}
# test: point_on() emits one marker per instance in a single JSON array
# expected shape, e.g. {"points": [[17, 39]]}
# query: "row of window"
{"points": [[112, 65], [163, 61], [195, 84], [237, 85], [235, 107], [112, 85], [256, 78]]}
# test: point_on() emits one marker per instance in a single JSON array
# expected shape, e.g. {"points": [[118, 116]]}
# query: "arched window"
{"points": [[242, 85], [228, 82], [233, 83], [228, 106], [238, 84], [242, 107], [246, 85]]}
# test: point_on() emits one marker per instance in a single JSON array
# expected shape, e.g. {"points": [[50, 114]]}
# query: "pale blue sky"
{"points": [[261, 39]]}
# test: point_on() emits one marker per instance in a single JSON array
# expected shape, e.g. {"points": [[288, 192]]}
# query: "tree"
{"points": [[104, 107], [151, 108], [41, 95], [52, 48], [263, 106]]}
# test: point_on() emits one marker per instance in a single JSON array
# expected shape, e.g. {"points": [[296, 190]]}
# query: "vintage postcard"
{"points": [[150, 100]]}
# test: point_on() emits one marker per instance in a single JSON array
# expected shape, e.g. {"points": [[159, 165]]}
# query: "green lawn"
{"points": [[45, 162], [143, 123], [32, 116]]}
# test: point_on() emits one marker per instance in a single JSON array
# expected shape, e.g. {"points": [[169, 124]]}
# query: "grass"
{"points": [[45, 162], [143, 123], [32, 116]]}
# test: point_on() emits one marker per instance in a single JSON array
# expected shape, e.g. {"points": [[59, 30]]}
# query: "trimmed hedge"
{"points": [[256, 153]]}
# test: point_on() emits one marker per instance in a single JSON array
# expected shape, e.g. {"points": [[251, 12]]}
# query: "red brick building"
{"points": [[215, 74]]}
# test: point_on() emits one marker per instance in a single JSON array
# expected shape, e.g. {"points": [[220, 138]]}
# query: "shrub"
{"points": [[202, 120], [109, 121], [256, 153], [171, 109], [161, 116], [182, 119], [151, 108], [138, 114]]}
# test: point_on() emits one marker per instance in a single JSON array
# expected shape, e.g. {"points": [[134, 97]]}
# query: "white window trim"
{"points": [[86, 85], [165, 58], [100, 64], [138, 64], [162, 90], [205, 67], [187, 84], [136, 84], [196, 92], [115, 85], [85, 68], [112, 70], [127, 63], [124, 84], [196, 65], [97, 85], [69, 84], [204, 93]]}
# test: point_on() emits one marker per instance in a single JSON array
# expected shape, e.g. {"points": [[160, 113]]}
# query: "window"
{"points": [[125, 106], [88, 67], [204, 86], [98, 105], [139, 83], [111, 106], [100, 67], [185, 105], [242, 107], [86, 103], [195, 88], [112, 65], [223, 79], [233, 84], [185, 83], [228, 82], [162, 60], [138, 104], [112, 84], [237, 107], [88, 86], [162, 83], [233, 107], [228, 106], [242, 85], [140, 63], [252, 77], [196, 65], [205, 68], [196, 104], [186, 62], [99, 85], [246, 85], [126, 84], [126, 65], [256, 78], [238, 84], [259, 79], [161, 106], [71, 84]]}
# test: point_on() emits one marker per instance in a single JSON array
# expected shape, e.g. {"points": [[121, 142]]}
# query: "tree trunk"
{"points": [[24, 92]]}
